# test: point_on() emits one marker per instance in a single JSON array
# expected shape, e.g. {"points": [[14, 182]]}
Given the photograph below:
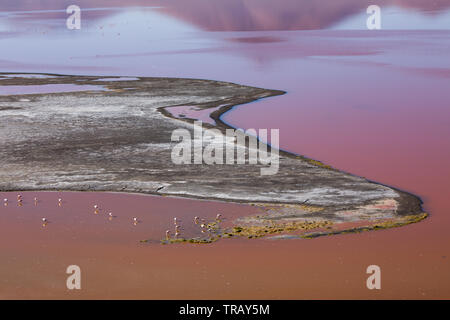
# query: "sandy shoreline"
{"points": [[90, 155]]}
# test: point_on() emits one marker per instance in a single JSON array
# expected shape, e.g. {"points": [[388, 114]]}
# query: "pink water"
{"points": [[373, 103], [192, 112]]}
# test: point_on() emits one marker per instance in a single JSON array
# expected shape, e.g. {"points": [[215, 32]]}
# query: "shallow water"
{"points": [[192, 112], [371, 103], [28, 76], [117, 79]]}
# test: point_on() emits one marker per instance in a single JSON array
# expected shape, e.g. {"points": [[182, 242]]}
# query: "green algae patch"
{"points": [[319, 164], [279, 219], [403, 221], [259, 231], [213, 231], [276, 228]]}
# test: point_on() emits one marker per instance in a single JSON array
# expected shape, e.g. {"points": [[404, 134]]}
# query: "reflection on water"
{"points": [[173, 37], [256, 15], [152, 39]]}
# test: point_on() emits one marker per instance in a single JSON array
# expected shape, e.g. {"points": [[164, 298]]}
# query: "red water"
{"points": [[47, 88], [374, 104]]}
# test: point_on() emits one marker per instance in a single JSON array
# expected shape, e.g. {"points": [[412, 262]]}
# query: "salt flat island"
{"points": [[117, 134]]}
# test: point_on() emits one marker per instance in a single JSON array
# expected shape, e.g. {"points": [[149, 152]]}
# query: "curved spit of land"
{"points": [[119, 139]]}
